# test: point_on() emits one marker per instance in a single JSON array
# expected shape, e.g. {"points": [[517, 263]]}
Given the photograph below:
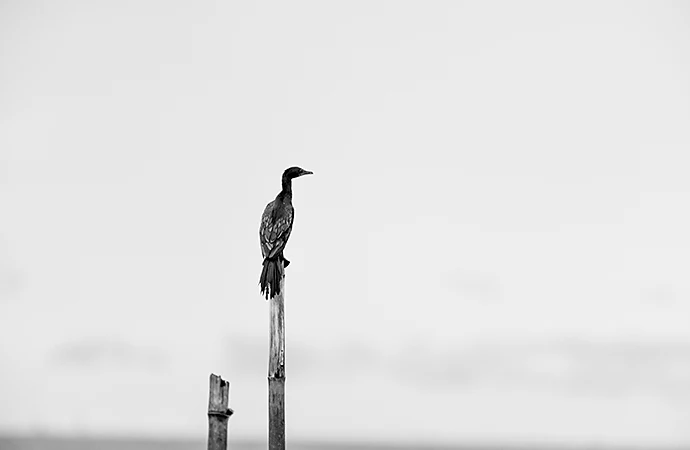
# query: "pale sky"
{"points": [[494, 245]]}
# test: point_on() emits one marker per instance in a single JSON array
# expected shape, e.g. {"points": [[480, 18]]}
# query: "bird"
{"points": [[275, 229]]}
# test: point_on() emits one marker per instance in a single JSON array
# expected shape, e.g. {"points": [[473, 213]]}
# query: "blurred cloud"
{"points": [[10, 278], [661, 295], [473, 285], [598, 368], [10, 282], [105, 353], [579, 366]]}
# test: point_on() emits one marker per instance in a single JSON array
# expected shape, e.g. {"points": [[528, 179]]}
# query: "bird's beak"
{"points": [[306, 172]]}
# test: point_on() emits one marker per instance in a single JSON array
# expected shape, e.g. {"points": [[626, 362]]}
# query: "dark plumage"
{"points": [[276, 225]]}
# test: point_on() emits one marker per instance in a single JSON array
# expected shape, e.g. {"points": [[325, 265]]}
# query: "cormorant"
{"points": [[276, 225]]}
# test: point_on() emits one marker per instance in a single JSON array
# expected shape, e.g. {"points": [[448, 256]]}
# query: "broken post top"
{"points": [[218, 396]]}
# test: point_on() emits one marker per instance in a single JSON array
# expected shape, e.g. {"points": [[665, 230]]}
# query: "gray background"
{"points": [[494, 246]]}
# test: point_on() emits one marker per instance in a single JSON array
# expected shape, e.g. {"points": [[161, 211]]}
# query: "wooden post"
{"points": [[218, 413], [276, 371]]}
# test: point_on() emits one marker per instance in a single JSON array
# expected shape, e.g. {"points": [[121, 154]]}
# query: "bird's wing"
{"points": [[275, 230]]}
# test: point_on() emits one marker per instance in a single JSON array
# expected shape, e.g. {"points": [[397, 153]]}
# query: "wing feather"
{"points": [[276, 225]]}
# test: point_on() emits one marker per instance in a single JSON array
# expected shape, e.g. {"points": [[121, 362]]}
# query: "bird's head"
{"points": [[294, 172]]}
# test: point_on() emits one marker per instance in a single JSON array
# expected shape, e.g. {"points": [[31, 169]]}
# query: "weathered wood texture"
{"points": [[276, 372], [218, 413]]}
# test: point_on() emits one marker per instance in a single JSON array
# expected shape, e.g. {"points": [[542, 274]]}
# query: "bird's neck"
{"points": [[287, 187]]}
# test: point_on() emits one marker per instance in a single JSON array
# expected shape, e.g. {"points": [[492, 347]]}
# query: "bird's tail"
{"points": [[270, 277]]}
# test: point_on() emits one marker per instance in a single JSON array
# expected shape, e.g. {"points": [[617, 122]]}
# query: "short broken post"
{"points": [[276, 370], [218, 413]]}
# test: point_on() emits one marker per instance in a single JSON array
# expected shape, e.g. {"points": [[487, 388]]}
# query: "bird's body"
{"points": [[275, 229]]}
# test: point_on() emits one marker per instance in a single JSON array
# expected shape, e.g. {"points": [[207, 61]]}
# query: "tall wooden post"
{"points": [[218, 413], [276, 371]]}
